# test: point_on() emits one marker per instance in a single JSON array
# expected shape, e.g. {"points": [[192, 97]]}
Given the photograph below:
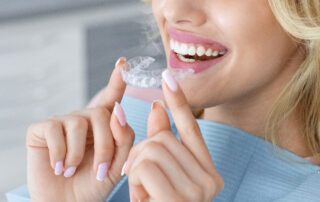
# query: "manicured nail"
{"points": [[170, 80], [118, 111], [59, 168], [120, 59], [70, 171], [156, 104], [124, 167], [102, 171]]}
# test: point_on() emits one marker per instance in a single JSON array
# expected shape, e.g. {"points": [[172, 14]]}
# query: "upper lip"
{"points": [[186, 37]]}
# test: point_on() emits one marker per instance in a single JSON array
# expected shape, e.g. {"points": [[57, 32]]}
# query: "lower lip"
{"points": [[197, 66]]}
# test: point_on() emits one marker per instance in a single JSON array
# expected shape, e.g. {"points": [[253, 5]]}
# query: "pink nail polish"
{"points": [[122, 58], [102, 171], [155, 104], [70, 171], [59, 168], [123, 167], [170, 80], [118, 111]]}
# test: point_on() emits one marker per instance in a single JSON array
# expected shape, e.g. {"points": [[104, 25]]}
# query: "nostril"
{"points": [[182, 21]]}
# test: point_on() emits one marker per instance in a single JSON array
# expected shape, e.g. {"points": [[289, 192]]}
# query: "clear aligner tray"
{"points": [[141, 74]]}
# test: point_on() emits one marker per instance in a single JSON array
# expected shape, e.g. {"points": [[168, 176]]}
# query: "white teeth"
{"points": [[176, 47], [171, 44], [185, 59], [209, 52], [222, 52], [215, 53], [192, 51], [201, 51], [183, 49]]}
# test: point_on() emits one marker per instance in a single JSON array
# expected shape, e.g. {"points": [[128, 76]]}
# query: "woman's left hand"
{"points": [[161, 168]]}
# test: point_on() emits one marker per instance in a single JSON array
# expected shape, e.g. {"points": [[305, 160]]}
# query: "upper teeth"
{"points": [[190, 49]]}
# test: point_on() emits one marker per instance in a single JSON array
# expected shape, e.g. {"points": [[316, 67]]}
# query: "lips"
{"points": [[190, 38], [197, 65]]}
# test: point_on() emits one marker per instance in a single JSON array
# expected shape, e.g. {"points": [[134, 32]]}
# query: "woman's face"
{"points": [[259, 53]]}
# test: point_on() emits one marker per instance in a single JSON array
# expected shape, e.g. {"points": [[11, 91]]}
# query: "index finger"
{"points": [[115, 88], [185, 122]]}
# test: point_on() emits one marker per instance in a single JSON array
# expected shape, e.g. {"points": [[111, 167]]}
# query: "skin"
{"points": [[238, 91], [84, 139]]}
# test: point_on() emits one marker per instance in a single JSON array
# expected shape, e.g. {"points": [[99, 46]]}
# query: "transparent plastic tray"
{"points": [[141, 74]]}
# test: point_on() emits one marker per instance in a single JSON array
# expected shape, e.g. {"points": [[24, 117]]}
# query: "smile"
{"points": [[189, 51]]}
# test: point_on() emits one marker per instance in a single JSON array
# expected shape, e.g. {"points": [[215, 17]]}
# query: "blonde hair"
{"points": [[301, 20]]}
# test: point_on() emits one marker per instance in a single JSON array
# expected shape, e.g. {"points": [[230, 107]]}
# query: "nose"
{"points": [[190, 12]]}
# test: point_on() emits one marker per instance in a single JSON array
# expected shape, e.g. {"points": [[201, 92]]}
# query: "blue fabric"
{"points": [[251, 168]]}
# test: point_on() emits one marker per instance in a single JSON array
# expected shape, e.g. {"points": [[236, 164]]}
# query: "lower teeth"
{"points": [[185, 59]]}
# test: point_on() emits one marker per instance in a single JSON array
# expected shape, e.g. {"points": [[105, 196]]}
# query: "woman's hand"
{"points": [[161, 168], [79, 156]]}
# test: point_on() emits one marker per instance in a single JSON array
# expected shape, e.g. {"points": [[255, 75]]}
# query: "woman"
{"points": [[257, 64]]}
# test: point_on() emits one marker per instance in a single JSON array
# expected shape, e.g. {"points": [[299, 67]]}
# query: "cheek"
{"points": [[259, 48]]}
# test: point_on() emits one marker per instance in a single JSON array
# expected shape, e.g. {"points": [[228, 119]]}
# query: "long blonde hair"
{"points": [[301, 20]]}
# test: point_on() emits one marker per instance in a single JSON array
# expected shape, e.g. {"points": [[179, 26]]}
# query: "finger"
{"points": [[115, 88], [175, 148], [176, 175], [49, 134], [123, 139], [76, 128], [186, 124], [137, 191], [158, 119], [99, 119], [154, 181]]}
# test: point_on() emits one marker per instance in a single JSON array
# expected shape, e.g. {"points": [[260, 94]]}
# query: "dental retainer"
{"points": [[141, 74]]}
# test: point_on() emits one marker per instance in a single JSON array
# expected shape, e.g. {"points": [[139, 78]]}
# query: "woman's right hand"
{"points": [[69, 155]]}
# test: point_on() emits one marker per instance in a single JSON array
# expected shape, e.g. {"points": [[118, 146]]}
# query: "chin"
{"points": [[195, 100]]}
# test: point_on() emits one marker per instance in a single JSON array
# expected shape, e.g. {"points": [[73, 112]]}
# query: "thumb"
{"points": [[158, 119]]}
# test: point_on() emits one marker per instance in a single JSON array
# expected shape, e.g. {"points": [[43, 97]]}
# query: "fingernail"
{"points": [[156, 104], [70, 171], [170, 80], [102, 171], [118, 61], [123, 167], [118, 111], [59, 168]]}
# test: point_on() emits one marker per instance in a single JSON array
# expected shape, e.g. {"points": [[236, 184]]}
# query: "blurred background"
{"points": [[54, 57]]}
